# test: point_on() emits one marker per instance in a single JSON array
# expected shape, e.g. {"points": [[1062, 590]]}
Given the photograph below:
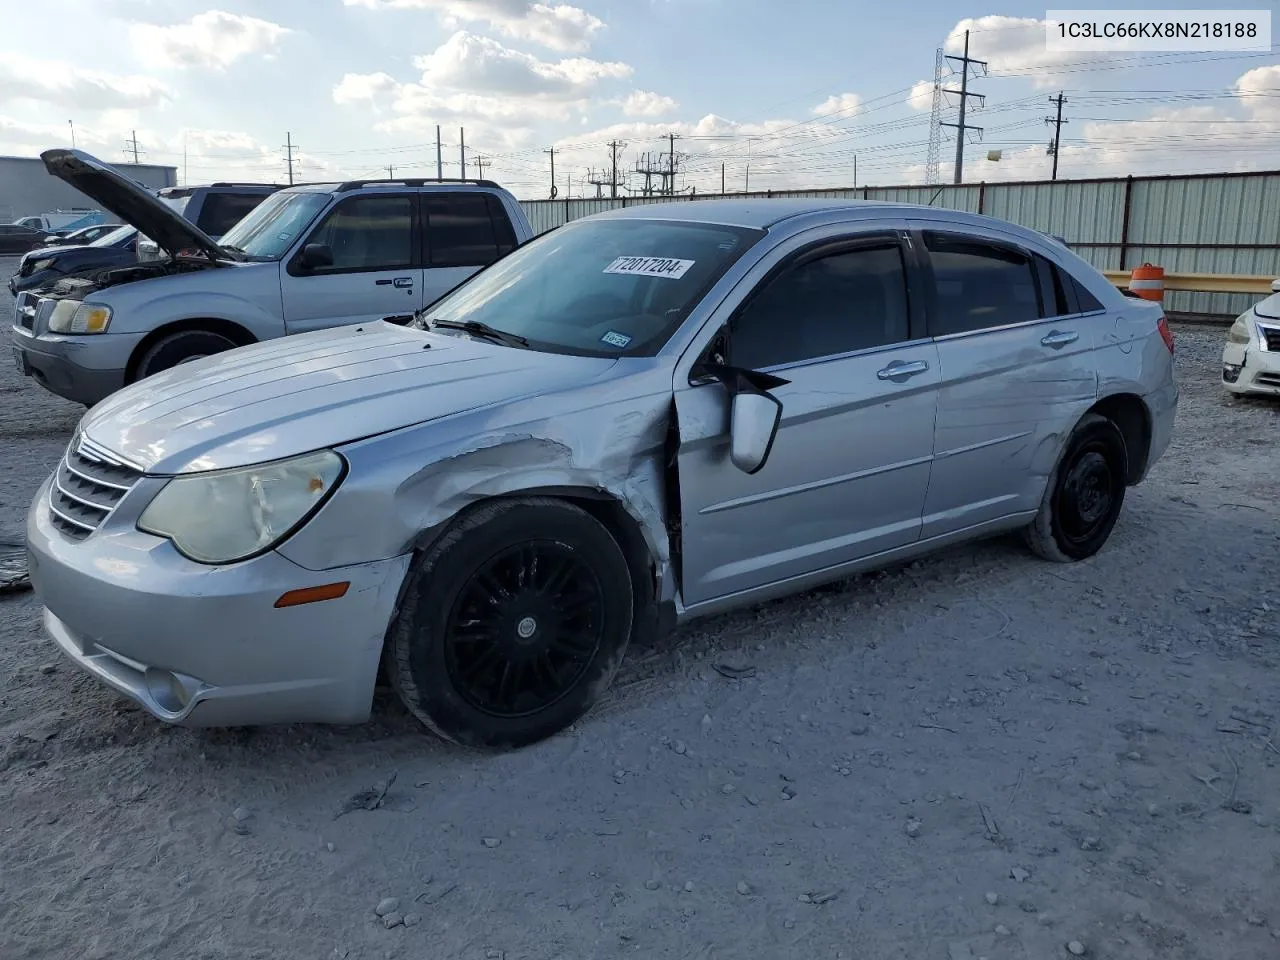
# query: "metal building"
{"points": [[27, 189]]}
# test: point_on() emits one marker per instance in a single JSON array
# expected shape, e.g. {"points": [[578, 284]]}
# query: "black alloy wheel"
{"points": [[524, 629]]}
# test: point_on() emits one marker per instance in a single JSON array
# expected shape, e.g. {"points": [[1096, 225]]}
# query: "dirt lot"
{"points": [[980, 755]]}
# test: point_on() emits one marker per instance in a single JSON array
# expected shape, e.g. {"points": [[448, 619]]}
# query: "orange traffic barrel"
{"points": [[1147, 282]]}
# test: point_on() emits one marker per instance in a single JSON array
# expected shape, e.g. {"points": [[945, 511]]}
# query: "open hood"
{"points": [[129, 201]]}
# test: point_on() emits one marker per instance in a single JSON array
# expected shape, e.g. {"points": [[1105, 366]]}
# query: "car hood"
{"points": [[43, 253], [295, 394], [1269, 308], [129, 201]]}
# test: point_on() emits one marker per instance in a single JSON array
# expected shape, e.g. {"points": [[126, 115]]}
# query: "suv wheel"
{"points": [[513, 623], [1083, 497], [181, 347]]}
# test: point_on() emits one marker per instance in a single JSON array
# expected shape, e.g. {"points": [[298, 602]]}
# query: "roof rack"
{"points": [[414, 182]]}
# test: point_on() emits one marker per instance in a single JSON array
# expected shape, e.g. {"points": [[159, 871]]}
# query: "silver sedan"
{"points": [[642, 417]]}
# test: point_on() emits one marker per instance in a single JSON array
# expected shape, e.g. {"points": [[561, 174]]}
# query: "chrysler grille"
{"points": [[87, 486]]}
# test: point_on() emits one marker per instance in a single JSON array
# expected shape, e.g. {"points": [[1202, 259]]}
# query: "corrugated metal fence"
{"points": [[1220, 223]]}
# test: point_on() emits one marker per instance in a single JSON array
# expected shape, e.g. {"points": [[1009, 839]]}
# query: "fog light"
{"points": [[1231, 372], [166, 689]]}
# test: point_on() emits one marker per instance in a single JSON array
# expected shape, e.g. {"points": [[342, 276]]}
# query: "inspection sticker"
{"points": [[614, 339], [651, 267]]}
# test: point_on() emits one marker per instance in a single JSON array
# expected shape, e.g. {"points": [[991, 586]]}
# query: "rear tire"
{"points": [[513, 624], [1084, 495], [181, 347]]}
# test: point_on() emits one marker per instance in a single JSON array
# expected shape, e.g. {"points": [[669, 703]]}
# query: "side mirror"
{"points": [[1275, 286], [754, 412], [316, 256], [753, 424]]}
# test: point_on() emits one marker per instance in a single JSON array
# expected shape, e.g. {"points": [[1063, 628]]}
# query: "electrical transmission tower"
{"points": [[609, 176], [931, 163], [963, 93], [1055, 143], [664, 166]]}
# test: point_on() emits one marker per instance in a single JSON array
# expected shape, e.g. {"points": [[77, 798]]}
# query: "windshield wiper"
{"points": [[479, 329]]}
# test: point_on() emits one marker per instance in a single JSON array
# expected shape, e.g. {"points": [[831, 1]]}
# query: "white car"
{"points": [[1251, 358]]}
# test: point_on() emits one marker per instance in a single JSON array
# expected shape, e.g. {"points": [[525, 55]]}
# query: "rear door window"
{"points": [[461, 230], [979, 285]]}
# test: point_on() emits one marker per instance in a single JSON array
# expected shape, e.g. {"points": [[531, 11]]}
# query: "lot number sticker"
{"points": [[651, 267]]}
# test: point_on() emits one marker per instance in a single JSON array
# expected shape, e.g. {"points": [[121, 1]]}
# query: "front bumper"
{"points": [[84, 369], [205, 646], [1247, 369]]}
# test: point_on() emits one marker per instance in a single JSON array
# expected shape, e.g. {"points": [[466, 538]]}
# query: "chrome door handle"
{"points": [[1059, 338], [397, 282], [901, 370]]}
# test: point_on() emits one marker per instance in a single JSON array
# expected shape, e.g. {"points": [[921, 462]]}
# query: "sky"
{"points": [[759, 94]]}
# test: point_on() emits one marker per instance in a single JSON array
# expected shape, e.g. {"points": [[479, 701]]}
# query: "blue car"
{"points": [[45, 265]]}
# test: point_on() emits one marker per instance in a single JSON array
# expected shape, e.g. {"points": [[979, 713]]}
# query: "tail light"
{"points": [[1165, 333]]}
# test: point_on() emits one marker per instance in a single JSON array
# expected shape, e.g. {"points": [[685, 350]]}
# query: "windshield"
{"points": [[269, 230], [177, 204], [599, 287], [115, 236]]}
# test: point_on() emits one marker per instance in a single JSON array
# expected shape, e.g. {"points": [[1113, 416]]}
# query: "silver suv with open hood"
{"points": [[306, 258]]}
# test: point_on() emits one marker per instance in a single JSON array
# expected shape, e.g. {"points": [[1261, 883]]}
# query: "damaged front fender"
{"points": [[404, 488]]}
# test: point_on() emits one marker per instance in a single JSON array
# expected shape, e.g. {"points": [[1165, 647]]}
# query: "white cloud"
{"points": [[478, 83], [921, 95], [1259, 92], [559, 27], [1015, 46], [838, 103], [355, 87], [66, 85], [643, 103], [214, 39], [482, 65]]}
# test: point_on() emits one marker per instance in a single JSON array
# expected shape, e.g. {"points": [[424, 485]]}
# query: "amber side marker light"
{"points": [[330, 591]]}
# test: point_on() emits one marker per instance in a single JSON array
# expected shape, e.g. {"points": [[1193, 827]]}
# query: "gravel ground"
{"points": [[979, 755]]}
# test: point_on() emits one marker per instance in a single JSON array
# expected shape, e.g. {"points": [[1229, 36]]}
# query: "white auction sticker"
{"points": [[651, 267], [1113, 31]]}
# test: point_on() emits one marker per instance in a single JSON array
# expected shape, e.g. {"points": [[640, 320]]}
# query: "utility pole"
{"points": [[462, 151], [71, 123], [288, 156], [670, 181], [133, 145], [439, 156], [554, 190], [481, 163], [391, 172], [613, 179], [1055, 148], [722, 179], [964, 94], [855, 169]]}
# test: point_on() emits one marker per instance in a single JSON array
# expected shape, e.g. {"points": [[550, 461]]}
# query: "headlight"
{"points": [[72, 316], [229, 515], [40, 265]]}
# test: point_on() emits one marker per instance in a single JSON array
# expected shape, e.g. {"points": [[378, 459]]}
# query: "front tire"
{"points": [[181, 347], [513, 623], [1084, 495]]}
